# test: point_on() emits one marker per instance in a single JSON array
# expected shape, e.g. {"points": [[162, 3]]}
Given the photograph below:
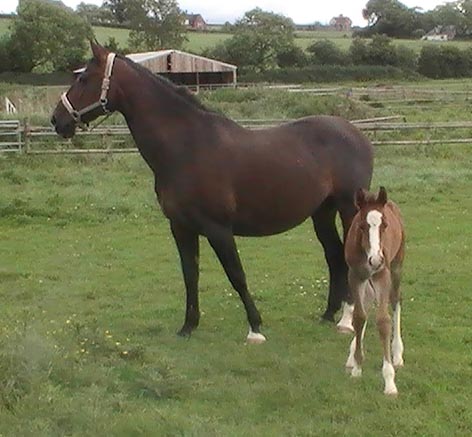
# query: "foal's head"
{"points": [[372, 224], [90, 96]]}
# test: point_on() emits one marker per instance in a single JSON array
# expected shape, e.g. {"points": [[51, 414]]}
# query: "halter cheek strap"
{"points": [[103, 100]]}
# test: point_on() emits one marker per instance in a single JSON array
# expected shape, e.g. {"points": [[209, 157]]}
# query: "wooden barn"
{"points": [[187, 69]]}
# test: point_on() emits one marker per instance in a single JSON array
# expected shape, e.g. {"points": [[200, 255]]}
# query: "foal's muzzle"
{"points": [[376, 261]]}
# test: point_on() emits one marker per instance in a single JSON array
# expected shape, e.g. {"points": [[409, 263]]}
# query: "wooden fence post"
{"points": [[26, 135]]}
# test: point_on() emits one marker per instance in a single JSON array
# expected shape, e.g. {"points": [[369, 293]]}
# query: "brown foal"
{"points": [[374, 251]]}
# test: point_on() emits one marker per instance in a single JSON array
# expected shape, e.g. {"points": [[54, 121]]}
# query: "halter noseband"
{"points": [[103, 100]]}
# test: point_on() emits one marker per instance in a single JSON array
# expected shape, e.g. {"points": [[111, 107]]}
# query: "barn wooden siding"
{"points": [[186, 68]]}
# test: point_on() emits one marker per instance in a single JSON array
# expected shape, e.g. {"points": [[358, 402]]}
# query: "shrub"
{"points": [[292, 56], [328, 73], [407, 59], [381, 51], [326, 52], [444, 61]]}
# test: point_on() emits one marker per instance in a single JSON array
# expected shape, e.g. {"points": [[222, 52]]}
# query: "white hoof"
{"points": [[344, 326], [356, 372], [345, 329], [391, 391], [255, 338], [398, 362]]}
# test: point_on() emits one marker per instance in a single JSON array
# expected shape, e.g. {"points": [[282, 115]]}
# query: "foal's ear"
{"points": [[359, 198], [382, 196], [98, 51]]}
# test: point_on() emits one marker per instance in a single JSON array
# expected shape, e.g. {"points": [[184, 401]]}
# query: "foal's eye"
{"points": [[364, 227]]}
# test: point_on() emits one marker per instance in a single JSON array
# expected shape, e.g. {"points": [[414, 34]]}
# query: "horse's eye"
{"points": [[83, 78]]}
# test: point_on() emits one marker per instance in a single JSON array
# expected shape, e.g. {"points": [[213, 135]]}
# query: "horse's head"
{"points": [[372, 224], [90, 96]]}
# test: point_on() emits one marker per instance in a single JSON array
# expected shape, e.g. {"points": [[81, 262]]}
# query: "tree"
{"points": [[156, 24], [46, 36], [390, 17], [119, 9], [260, 41], [5, 53], [95, 14], [328, 53]]}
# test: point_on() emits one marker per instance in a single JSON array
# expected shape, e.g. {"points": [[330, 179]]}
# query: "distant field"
{"points": [[197, 42]]}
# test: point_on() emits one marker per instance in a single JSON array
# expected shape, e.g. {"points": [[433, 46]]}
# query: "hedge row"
{"points": [[328, 73]]}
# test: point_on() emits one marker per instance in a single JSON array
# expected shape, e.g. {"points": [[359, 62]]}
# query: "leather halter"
{"points": [[101, 103]]}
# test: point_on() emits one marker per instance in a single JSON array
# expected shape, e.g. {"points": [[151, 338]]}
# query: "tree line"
{"points": [[394, 19], [47, 36]]}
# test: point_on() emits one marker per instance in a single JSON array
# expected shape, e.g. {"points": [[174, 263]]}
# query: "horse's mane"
{"points": [[181, 91]]}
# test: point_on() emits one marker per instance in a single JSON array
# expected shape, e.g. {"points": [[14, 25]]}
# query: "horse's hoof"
{"points": [[391, 392], [398, 363], [327, 317], [185, 332], [345, 329], [255, 338], [356, 372]]}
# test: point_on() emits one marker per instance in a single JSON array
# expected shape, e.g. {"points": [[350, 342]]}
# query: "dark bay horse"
{"points": [[216, 179], [375, 249]]}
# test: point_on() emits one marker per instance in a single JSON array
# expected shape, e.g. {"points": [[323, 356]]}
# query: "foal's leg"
{"points": [[222, 242], [397, 343], [384, 325], [187, 245], [325, 228], [356, 356], [366, 298]]}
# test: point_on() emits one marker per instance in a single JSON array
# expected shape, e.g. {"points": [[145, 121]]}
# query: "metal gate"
{"points": [[10, 136]]}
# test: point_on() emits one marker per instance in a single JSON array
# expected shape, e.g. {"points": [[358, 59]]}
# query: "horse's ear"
{"points": [[382, 196], [98, 51], [359, 198]]}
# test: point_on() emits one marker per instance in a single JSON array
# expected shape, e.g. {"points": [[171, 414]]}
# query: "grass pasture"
{"points": [[92, 296]]}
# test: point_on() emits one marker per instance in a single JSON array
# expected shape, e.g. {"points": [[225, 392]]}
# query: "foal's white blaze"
{"points": [[374, 220], [255, 337], [345, 324], [397, 343]]}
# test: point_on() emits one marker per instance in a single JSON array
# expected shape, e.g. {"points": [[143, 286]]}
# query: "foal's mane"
{"points": [[181, 91]]}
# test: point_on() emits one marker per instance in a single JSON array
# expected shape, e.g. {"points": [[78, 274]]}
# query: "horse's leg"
{"points": [[188, 247], [359, 321], [347, 211], [325, 228], [222, 242], [384, 325], [397, 343]]}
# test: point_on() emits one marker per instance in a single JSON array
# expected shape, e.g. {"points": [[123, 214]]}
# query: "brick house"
{"points": [[195, 21], [341, 23]]}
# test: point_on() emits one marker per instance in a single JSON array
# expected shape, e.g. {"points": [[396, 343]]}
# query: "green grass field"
{"points": [[92, 296]]}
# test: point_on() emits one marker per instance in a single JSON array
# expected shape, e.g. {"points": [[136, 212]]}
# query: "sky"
{"points": [[301, 11]]}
